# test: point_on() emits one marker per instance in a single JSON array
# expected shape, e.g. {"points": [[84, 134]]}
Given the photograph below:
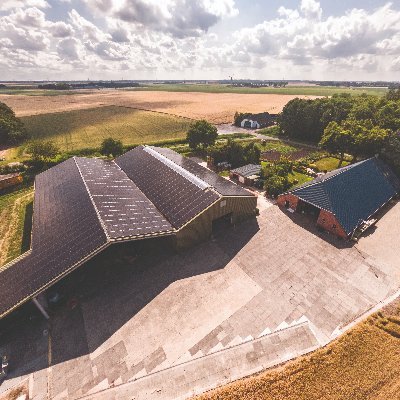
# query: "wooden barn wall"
{"points": [[200, 228]]}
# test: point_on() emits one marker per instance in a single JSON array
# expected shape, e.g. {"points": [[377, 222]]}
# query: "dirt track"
{"points": [[215, 107]]}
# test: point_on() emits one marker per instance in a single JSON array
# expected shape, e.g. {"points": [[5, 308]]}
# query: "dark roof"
{"points": [[352, 193], [219, 184], [124, 210], [247, 170], [178, 197], [65, 231], [82, 205]]}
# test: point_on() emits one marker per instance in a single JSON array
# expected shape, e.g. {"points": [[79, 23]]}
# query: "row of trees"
{"points": [[357, 125]]}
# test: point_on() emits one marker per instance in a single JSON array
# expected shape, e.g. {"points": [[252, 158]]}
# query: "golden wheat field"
{"points": [[217, 108], [363, 364]]}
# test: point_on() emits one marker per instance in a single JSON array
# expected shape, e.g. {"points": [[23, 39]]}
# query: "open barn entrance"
{"points": [[308, 209], [221, 224]]}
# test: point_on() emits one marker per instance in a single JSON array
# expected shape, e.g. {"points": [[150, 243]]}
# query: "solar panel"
{"points": [[221, 185], [178, 199], [66, 230], [123, 208]]}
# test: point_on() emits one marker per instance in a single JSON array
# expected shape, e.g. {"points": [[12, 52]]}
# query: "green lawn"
{"points": [[329, 163], [74, 130], [301, 178], [290, 90]]}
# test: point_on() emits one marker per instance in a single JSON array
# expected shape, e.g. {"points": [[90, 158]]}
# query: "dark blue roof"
{"points": [[352, 193]]}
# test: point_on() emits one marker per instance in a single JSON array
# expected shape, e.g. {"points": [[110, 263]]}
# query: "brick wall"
{"points": [[293, 200], [328, 222], [11, 181]]}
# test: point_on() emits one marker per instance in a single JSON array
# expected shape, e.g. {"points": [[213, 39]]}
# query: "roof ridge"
{"points": [[103, 225]]}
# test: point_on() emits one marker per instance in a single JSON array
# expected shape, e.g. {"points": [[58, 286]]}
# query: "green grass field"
{"points": [[329, 163], [74, 130], [290, 90], [16, 209]]}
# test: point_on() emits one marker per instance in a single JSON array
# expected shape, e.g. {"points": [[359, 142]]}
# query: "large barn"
{"points": [[343, 200], [83, 205]]}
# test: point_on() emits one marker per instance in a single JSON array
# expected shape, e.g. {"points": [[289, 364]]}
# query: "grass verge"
{"points": [[16, 209]]}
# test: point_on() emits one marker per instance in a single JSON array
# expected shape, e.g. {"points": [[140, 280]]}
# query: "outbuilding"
{"points": [[346, 199], [10, 180], [246, 174]]}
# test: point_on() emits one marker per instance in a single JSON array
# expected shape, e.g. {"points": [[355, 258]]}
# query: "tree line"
{"points": [[361, 126]]}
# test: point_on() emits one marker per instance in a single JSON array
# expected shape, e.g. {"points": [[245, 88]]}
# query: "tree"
{"points": [[111, 147], [42, 151], [391, 151], [252, 153], [11, 128], [338, 140], [201, 133], [274, 185]]}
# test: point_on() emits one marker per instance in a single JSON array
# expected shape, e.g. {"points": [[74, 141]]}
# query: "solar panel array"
{"points": [[66, 230], [178, 199], [123, 208], [221, 185]]}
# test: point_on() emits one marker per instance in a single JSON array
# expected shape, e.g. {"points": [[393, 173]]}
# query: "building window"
{"points": [[223, 203], [287, 204], [333, 226]]}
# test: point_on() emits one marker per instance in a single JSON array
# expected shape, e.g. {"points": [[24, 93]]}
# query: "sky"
{"points": [[199, 39]]}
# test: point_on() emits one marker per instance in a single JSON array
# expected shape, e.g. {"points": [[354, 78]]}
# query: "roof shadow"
{"points": [[308, 223], [107, 292]]}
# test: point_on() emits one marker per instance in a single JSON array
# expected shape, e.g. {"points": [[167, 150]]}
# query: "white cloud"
{"points": [[174, 38], [10, 4]]}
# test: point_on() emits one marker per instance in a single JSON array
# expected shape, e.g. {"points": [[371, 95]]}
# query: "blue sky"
{"points": [[200, 39]]}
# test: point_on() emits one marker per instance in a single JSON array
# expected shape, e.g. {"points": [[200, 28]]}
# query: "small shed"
{"points": [[344, 200], [10, 180], [246, 174]]}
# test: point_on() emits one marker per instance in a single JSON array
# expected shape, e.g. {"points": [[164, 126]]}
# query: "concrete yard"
{"points": [[264, 278]]}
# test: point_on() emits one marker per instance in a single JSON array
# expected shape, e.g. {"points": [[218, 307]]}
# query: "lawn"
{"points": [[74, 130], [299, 177], [290, 90], [363, 364], [329, 163], [16, 210]]}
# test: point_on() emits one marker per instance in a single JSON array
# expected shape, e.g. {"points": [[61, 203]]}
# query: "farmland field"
{"points": [[310, 90], [215, 107], [87, 128]]}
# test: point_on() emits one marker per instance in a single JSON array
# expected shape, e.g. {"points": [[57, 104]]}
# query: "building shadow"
{"points": [[308, 222], [109, 290]]}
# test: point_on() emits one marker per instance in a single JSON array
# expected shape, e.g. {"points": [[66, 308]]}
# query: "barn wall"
{"points": [[200, 229], [328, 222], [293, 200]]}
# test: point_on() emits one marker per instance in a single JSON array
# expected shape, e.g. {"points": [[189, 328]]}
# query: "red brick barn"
{"points": [[343, 200]]}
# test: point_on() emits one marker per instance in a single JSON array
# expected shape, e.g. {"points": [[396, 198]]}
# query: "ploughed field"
{"points": [[86, 128], [217, 108]]}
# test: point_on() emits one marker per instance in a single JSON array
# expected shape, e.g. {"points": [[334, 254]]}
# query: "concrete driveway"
{"points": [[162, 310]]}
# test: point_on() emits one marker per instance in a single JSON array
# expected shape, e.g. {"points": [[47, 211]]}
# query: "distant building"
{"points": [[246, 174], [10, 180], [257, 121], [343, 200]]}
